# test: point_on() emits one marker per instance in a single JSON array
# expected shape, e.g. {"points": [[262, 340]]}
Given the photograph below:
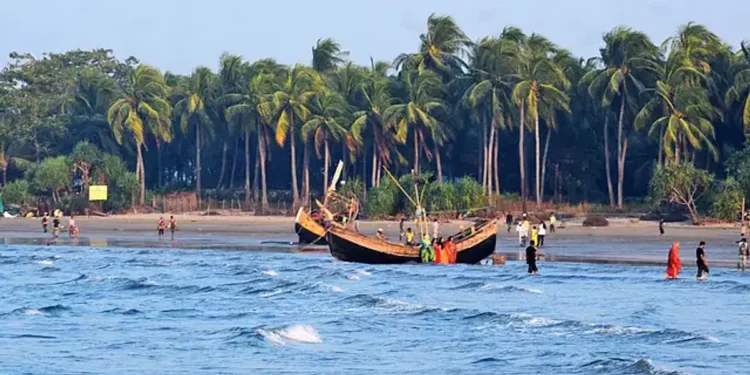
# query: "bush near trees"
{"points": [[683, 184]]}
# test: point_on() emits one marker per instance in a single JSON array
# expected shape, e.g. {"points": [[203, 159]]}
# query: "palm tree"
{"points": [[289, 104], [492, 67], [375, 90], [191, 110], [629, 59], [327, 109], [245, 113], [741, 85], [417, 111], [144, 104], [540, 88], [327, 55], [440, 47], [230, 75]]}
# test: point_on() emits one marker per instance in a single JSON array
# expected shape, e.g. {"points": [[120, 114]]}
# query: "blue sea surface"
{"points": [[81, 310]]}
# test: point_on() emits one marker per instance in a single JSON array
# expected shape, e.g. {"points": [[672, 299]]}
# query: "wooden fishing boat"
{"points": [[308, 230], [472, 245]]}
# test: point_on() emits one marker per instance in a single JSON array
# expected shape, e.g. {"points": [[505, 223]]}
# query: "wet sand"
{"points": [[624, 241]]}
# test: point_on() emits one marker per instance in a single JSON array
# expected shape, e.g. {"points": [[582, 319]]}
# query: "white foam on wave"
{"points": [[271, 273], [45, 262], [272, 293], [32, 312], [491, 286], [352, 277], [526, 320], [300, 333], [364, 272], [330, 287], [618, 330]]}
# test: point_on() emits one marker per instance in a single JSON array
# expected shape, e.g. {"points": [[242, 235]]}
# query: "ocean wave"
{"points": [[270, 273], [48, 310], [296, 333], [79, 278], [45, 262], [50, 269], [496, 288], [122, 311], [623, 366]]}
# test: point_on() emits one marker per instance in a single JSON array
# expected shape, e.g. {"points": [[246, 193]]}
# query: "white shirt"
{"points": [[542, 231], [521, 229]]}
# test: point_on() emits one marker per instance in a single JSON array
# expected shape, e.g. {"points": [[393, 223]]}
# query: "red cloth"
{"points": [[450, 249], [674, 265], [438, 254]]}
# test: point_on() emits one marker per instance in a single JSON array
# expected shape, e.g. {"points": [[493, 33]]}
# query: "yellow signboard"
{"points": [[98, 193]]}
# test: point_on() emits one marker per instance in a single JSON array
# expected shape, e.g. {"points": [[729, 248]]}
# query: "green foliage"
{"points": [[726, 200], [52, 174], [74, 204], [470, 194], [441, 198], [16, 192], [352, 187], [738, 167], [683, 184], [382, 200]]}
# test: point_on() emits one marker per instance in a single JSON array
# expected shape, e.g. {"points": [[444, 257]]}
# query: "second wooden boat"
{"points": [[472, 245], [308, 230]]}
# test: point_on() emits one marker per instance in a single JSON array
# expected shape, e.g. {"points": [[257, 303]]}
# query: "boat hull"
{"points": [[350, 246], [308, 230]]}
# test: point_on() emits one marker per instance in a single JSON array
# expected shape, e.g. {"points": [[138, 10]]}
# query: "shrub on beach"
{"points": [[16, 192], [441, 198], [595, 221], [469, 194], [381, 200]]}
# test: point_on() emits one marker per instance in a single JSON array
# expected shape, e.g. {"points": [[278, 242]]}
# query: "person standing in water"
{"points": [[700, 255], [541, 233], [744, 250], [534, 235], [521, 234], [45, 221], [450, 249], [661, 227], [172, 226], [674, 265], [72, 227], [160, 226], [435, 228], [509, 220], [426, 252], [531, 259]]}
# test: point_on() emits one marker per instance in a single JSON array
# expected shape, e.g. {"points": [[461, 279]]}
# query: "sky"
{"points": [[178, 35]]}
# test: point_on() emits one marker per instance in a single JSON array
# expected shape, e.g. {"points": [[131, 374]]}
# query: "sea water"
{"points": [[81, 310]]}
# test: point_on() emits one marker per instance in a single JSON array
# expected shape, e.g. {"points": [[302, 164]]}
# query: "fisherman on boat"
{"points": [[409, 237], [380, 235]]}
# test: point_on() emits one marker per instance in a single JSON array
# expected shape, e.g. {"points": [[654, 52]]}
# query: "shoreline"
{"points": [[624, 241]]}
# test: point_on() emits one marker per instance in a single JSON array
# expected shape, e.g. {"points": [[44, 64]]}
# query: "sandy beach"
{"points": [[623, 241]]}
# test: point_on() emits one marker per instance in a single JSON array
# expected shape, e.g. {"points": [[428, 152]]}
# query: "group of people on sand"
{"points": [[161, 225], [531, 233]]}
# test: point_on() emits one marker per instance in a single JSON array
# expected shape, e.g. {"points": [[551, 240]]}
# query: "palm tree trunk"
{"points": [[620, 153], [537, 180], [621, 176], [263, 186], [489, 165], [496, 163], [247, 166], [661, 147], [345, 157], [140, 175], [374, 179], [295, 192], [5, 174], [544, 158], [522, 155], [160, 172], [198, 163], [256, 172], [439, 165], [326, 162], [416, 152], [485, 158], [234, 162], [306, 175], [223, 163], [606, 163]]}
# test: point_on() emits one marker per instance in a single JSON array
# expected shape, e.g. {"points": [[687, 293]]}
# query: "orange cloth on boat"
{"points": [[674, 265], [439, 254], [450, 249]]}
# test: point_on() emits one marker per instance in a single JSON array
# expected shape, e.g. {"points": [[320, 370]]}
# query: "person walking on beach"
{"points": [[435, 228], [542, 232], [531, 259], [744, 250], [674, 265], [509, 220], [700, 255], [534, 235], [401, 229], [45, 221], [521, 230], [552, 222], [661, 227], [172, 226], [160, 226], [72, 227], [56, 227]]}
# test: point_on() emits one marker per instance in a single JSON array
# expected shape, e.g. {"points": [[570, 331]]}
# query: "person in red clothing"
{"points": [[450, 250], [674, 265], [438, 246], [160, 226]]}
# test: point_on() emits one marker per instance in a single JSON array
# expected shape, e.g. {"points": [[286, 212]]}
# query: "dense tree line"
{"points": [[515, 111]]}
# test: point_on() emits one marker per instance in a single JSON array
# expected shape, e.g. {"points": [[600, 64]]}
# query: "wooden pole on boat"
{"points": [[334, 180]]}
